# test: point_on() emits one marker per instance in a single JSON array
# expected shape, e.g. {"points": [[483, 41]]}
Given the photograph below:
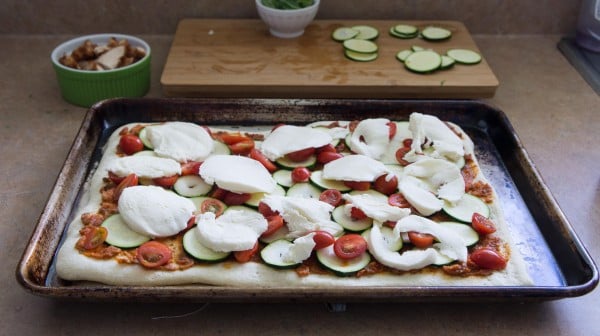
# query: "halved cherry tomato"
{"points": [[116, 179], [212, 205], [323, 239], [153, 254], [260, 157], [331, 196], [238, 143], [407, 142], [422, 240], [243, 147], [386, 185], [349, 246], [129, 181], [232, 198], [356, 185], [219, 193], [352, 125], [266, 210], [482, 225], [300, 155], [326, 148], [277, 126], [190, 168], [190, 223], [246, 255], [300, 174], [130, 144], [400, 155], [165, 182], [357, 214], [488, 258], [94, 237], [393, 127], [326, 157], [398, 200], [274, 223]]}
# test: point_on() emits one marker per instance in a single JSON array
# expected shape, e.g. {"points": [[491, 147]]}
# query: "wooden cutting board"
{"points": [[239, 58]]}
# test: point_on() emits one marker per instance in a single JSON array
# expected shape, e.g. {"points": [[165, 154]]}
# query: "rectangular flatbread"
{"points": [[370, 202]]}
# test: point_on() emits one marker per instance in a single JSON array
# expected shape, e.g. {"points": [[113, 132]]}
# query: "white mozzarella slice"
{"points": [[450, 244], [239, 174], [144, 166], [154, 211], [370, 137], [180, 141], [376, 207], [234, 230], [303, 215], [431, 131], [443, 176], [300, 249], [408, 260], [354, 168], [423, 200], [288, 138]]}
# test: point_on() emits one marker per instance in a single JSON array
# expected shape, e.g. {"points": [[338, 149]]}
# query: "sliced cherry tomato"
{"points": [[94, 237], [400, 155], [393, 128], [482, 225], [398, 200], [129, 181], [243, 147], [488, 258], [266, 210], [326, 157], [212, 205], [352, 125], [331, 196], [246, 255], [326, 148], [165, 182], [153, 254], [357, 214], [356, 185], [130, 144], [323, 239], [230, 138], [116, 179], [190, 223], [260, 157], [300, 174], [190, 168], [349, 246], [300, 155], [407, 142], [422, 240], [232, 198], [219, 193], [386, 185], [274, 223]]}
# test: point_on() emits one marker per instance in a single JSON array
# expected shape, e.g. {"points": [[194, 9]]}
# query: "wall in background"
{"points": [[161, 16]]}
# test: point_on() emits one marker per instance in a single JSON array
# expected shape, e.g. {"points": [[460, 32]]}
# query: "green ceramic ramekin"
{"points": [[85, 88]]}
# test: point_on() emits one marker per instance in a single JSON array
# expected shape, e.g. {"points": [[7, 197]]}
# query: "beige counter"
{"points": [[555, 113]]}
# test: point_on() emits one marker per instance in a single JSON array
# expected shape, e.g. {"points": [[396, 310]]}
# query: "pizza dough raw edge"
{"points": [[74, 266]]}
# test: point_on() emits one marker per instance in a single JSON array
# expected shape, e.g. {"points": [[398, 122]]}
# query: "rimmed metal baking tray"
{"points": [[557, 261]]}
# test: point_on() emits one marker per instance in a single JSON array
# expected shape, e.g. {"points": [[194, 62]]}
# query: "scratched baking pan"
{"points": [[557, 261]]}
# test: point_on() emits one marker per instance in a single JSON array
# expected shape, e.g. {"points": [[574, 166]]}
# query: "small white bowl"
{"points": [[287, 23]]}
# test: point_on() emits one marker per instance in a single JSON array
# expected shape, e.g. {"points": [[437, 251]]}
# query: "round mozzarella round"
{"points": [[288, 138], [154, 211], [354, 168], [238, 174], [144, 166], [181, 141]]}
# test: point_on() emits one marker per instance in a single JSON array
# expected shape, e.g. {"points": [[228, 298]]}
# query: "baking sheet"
{"points": [[557, 261]]}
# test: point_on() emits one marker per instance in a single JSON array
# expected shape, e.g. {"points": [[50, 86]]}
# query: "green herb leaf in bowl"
{"points": [[287, 4]]}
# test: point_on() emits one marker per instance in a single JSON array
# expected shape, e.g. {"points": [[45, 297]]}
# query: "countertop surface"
{"points": [[553, 110]]}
